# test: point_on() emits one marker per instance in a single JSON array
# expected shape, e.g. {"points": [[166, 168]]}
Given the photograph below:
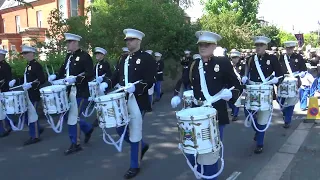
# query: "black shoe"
{"points": [[258, 150], [73, 149], [231, 114], [149, 110], [286, 126], [234, 118], [161, 94], [88, 136], [31, 141], [5, 134], [131, 173], [255, 137], [144, 150], [95, 123], [41, 131]]}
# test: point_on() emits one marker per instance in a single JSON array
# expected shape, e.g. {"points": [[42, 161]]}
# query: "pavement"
{"points": [[163, 161]]}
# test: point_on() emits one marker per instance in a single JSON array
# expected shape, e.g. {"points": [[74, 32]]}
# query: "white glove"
{"points": [[131, 88], [274, 80], [175, 101], [52, 77], [302, 74], [99, 79], [103, 87], [244, 79], [70, 79], [226, 95], [12, 82], [26, 86]]}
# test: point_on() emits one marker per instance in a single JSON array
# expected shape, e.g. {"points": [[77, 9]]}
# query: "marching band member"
{"points": [[235, 57], [5, 77], [33, 78], [77, 69], [159, 77], [218, 74], [185, 62], [137, 66], [102, 69], [291, 62], [258, 67], [305, 90], [151, 90]]}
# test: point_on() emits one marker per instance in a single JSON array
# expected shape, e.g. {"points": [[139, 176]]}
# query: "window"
{"points": [[4, 26], [13, 48], [39, 19], [63, 8], [18, 24], [74, 7], [5, 47]]}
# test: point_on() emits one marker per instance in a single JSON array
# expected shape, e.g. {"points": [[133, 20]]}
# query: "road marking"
{"points": [[234, 175], [280, 161]]}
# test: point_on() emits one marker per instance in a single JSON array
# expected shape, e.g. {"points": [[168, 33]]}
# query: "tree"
{"points": [[233, 35], [312, 39], [247, 10], [285, 36], [271, 32]]}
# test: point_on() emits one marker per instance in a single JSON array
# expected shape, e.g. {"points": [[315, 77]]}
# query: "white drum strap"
{"points": [[118, 144], [250, 120], [20, 125], [256, 62], [199, 175], [285, 57], [237, 74], [56, 128], [87, 113], [68, 66], [126, 78], [203, 83]]}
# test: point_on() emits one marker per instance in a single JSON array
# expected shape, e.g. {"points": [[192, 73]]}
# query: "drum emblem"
{"points": [[188, 135]]}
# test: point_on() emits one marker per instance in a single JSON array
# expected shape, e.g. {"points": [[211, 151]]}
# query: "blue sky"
{"points": [[303, 15]]}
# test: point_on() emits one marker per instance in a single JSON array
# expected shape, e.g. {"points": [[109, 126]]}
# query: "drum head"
{"points": [[93, 83], [10, 93], [110, 97], [198, 113], [52, 88]]}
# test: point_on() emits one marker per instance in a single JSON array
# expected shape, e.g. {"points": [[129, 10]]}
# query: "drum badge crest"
{"points": [[216, 68], [187, 135], [268, 62]]}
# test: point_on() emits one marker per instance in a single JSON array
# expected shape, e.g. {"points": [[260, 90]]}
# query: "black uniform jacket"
{"points": [[103, 68], [185, 62], [160, 68], [34, 72], [141, 66], [5, 76], [81, 62], [219, 75]]}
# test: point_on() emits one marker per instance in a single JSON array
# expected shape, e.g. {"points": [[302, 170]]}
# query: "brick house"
{"points": [[20, 23]]}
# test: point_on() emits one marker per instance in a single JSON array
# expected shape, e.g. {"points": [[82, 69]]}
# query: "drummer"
{"points": [[141, 66], [185, 62], [218, 74], [235, 58], [291, 63], [159, 77], [267, 65], [77, 62], [5, 77], [102, 69], [33, 78]]}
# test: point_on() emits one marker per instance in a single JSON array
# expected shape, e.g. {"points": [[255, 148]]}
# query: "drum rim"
{"points": [[13, 92], [199, 117], [121, 95]]}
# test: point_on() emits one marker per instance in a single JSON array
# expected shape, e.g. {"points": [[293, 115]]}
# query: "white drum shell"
{"points": [[93, 89], [259, 97], [288, 88], [199, 130], [58, 82], [112, 110], [188, 98], [54, 99], [14, 102]]}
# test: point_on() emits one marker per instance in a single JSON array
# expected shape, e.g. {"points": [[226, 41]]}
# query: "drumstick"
{"points": [[96, 78], [217, 96], [22, 85], [47, 71], [123, 88]]}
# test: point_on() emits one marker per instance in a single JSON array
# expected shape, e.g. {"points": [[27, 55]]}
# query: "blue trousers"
{"points": [[235, 110], [208, 170], [303, 96], [136, 147], [287, 112], [259, 135], [157, 89], [74, 130], [34, 128], [314, 87], [4, 125]]}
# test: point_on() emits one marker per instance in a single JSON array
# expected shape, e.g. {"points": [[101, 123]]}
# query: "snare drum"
{"points": [[259, 97], [188, 99], [14, 102], [199, 131], [288, 88], [93, 89], [112, 110], [54, 99], [58, 82]]}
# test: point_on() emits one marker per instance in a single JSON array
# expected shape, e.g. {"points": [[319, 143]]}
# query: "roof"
{"points": [[6, 4]]}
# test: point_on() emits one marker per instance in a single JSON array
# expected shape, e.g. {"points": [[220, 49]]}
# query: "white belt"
{"points": [[254, 83], [160, 72]]}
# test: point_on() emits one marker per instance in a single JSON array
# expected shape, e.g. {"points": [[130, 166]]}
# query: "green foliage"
{"points": [[312, 39], [285, 36], [270, 32], [233, 35]]}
